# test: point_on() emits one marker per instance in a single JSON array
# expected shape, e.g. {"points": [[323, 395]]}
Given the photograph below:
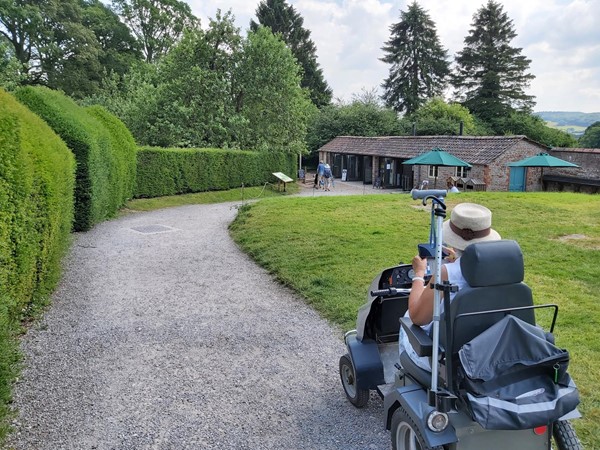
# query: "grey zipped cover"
{"points": [[515, 378]]}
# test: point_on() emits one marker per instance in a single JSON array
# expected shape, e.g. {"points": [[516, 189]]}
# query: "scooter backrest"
{"points": [[494, 271]]}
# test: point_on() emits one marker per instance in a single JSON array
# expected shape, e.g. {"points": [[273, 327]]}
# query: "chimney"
{"points": [[461, 129], [414, 128]]}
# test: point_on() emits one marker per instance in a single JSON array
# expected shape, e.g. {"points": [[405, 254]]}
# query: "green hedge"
{"points": [[174, 171], [99, 189], [124, 149], [37, 178]]}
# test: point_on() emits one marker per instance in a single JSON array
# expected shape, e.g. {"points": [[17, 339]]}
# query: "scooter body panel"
{"points": [[368, 367]]}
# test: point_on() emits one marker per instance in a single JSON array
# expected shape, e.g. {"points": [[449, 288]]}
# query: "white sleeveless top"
{"points": [[455, 276]]}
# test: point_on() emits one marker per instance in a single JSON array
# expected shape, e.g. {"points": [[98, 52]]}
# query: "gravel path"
{"points": [[172, 338]]}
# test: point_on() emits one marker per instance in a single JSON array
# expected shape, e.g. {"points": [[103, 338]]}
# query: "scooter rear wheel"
{"points": [[565, 437], [358, 397], [406, 435]]}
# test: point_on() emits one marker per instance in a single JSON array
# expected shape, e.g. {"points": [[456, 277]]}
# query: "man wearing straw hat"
{"points": [[469, 223]]}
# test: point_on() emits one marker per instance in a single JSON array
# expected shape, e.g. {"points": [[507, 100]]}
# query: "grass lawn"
{"points": [[232, 195], [330, 248]]}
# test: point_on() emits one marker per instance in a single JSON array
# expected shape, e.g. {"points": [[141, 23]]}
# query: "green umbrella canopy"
{"points": [[542, 160], [437, 157]]}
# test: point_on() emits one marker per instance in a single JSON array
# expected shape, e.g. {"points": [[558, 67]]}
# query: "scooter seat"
{"points": [[421, 376]]}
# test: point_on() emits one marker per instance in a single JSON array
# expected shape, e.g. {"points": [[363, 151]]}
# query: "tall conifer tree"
{"points": [[491, 75], [284, 20], [418, 61]]}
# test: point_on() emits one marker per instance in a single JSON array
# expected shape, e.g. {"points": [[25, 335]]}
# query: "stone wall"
{"points": [[588, 160]]}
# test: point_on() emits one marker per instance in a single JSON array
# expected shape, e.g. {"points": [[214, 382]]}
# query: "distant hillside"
{"points": [[569, 121], [562, 118]]}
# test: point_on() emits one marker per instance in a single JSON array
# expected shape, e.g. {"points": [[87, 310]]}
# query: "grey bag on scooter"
{"points": [[514, 378]]}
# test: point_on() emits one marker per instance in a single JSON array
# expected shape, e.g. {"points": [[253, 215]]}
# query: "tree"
{"points": [[437, 118], [534, 127], [44, 34], [491, 75], [591, 136], [284, 20], [157, 24], [419, 67], [109, 48], [362, 117], [276, 108]]}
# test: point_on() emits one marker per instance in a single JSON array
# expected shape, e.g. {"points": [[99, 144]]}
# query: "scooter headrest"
{"points": [[492, 263]]}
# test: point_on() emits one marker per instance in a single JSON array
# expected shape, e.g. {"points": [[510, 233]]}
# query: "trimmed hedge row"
{"points": [[102, 146], [174, 171], [37, 178]]}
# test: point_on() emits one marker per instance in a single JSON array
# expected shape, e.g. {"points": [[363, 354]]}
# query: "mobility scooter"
{"points": [[496, 378]]}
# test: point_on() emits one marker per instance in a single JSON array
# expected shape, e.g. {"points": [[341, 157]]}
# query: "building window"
{"points": [[433, 171], [461, 172]]}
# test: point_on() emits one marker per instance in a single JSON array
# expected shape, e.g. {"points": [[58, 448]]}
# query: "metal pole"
{"points": [[436, 303]]}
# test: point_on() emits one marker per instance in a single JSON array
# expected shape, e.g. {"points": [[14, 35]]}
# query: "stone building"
{"points": [[585, 178], [379, 160]]}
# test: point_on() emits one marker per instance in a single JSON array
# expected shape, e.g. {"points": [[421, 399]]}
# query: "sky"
{"points": [[560, 37]]}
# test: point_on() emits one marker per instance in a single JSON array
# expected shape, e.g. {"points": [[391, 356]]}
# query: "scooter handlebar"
{"points": [[419, 194], [389, 292]]}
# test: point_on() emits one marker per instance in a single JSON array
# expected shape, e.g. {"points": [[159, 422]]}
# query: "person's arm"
{"points": [[420, 300]]}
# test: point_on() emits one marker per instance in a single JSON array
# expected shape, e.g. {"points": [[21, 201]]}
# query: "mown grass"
{"points": [[231, 195], [330, 248]]}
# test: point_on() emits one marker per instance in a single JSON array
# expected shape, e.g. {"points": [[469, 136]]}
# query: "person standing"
{"points": [[320, 173]]}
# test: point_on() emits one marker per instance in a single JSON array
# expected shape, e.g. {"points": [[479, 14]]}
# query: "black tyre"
{"points": [[358, 397], [565, 437], [406, 435]]}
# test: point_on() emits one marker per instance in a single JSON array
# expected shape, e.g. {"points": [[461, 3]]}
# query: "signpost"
{"points": [[282, 178]]}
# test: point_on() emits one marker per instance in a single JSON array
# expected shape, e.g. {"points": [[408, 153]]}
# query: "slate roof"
{"points": [[473, 149]]}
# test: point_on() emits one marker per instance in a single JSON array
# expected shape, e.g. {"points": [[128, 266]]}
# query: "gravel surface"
{"points": [[164, 335]]}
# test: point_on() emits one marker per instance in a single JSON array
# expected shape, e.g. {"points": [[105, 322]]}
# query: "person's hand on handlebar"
{"points": [[419, 266]]}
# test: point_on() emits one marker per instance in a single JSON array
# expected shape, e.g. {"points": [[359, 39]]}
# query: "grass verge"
{"points": [[231, 195], [330, 248]]}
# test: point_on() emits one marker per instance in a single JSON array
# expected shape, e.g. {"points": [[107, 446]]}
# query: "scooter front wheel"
{"points": [[406, 435], [358, 397]]}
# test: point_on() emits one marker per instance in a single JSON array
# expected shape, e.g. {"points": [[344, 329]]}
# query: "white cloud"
{"points": [[561, 37]]}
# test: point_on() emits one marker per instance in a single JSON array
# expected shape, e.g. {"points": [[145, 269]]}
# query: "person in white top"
{"points": [[469, 223], [452, 189]]}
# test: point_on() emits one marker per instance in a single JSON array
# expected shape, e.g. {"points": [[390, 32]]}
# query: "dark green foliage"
{"points": [[437, 118], [163, 171], [157, 24], [285, 21], [97, 189], [491, 75], [591, 136], [356, 119], [419, 67], [532, 126], [36, 212]]}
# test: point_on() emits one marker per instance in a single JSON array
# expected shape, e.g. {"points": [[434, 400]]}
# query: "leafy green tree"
{"points": [[284, 20], [419, 65], [10, 75], [108, 48], [69, 45], [534, 127], [157, 24], [44, 35], [276, 108], [362, 117], [591, 136], [491, 75], [437, 118]]}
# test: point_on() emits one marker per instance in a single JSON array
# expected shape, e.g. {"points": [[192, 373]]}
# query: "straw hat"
{"points": [[469, 223]]}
